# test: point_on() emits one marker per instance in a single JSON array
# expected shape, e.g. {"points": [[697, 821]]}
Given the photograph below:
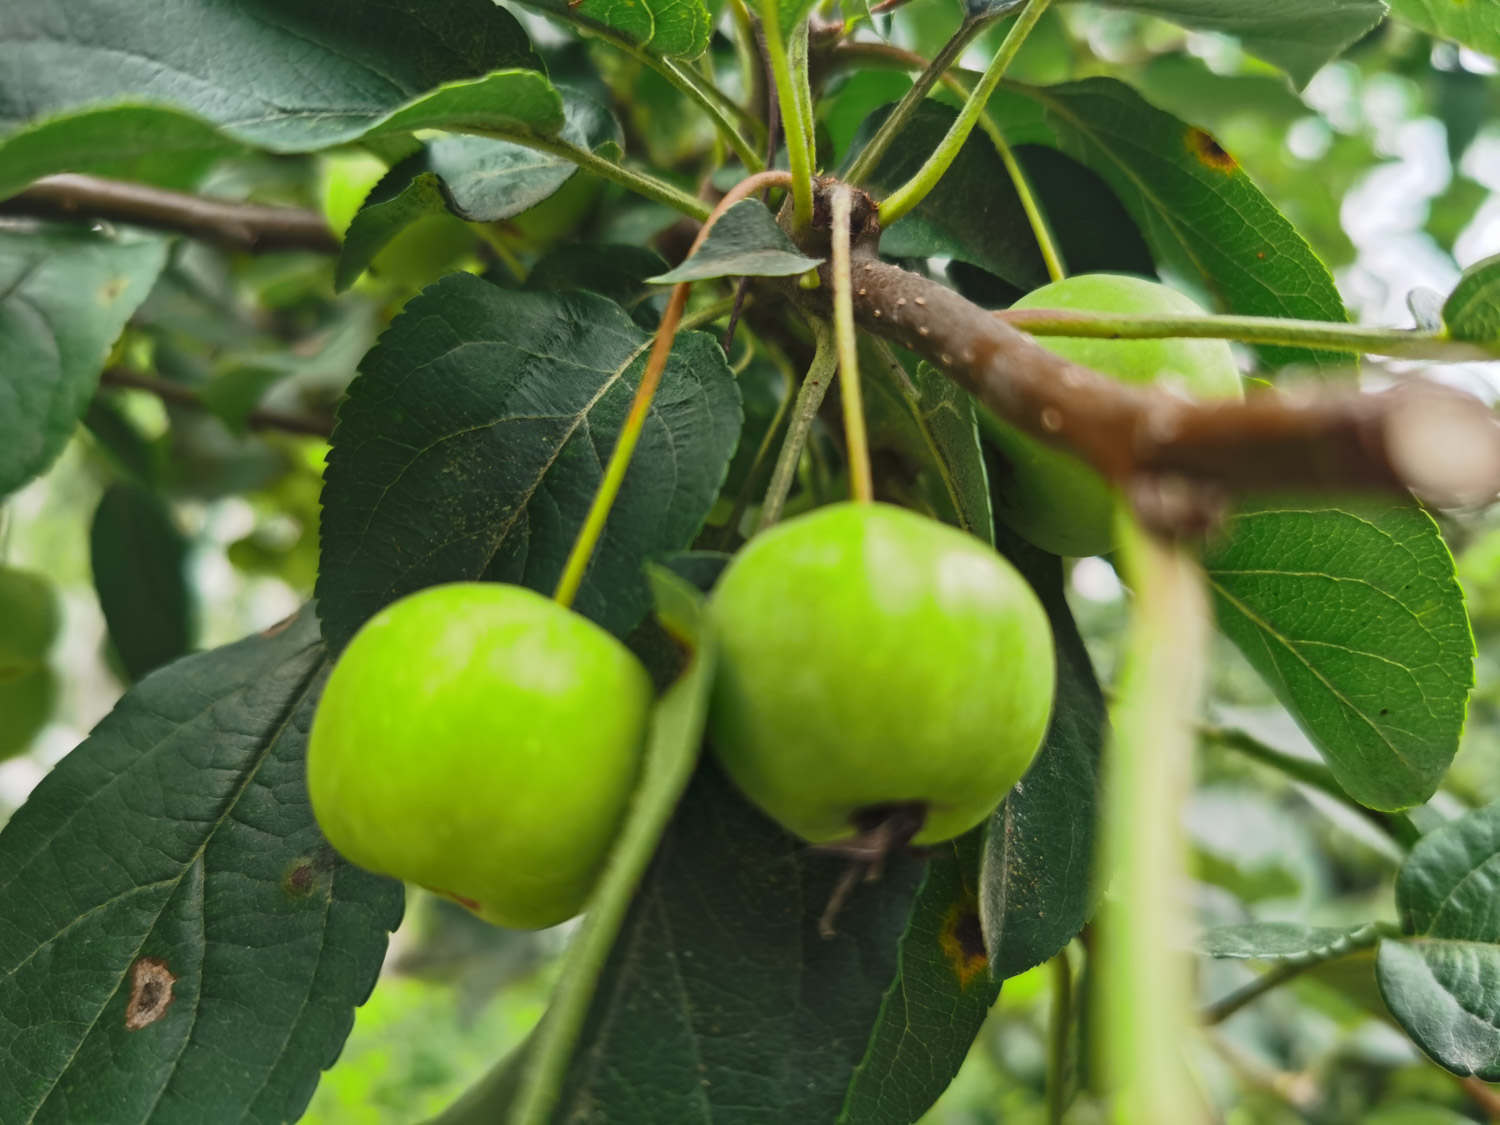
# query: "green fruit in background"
{"points": [[29, 621], [482, 741], [872, 657], [26, 704], [1051, 497]]}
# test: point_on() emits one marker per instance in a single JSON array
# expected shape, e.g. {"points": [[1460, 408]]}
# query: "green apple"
{"points": [[25, 707], [1051, 497], [482, 741], [28, 622], [871, 657]]}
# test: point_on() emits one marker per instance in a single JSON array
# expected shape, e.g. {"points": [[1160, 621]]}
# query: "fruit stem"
{"points": [[582, 553], [1145, 983], [861, 482], [804, 410], [911, 193]]}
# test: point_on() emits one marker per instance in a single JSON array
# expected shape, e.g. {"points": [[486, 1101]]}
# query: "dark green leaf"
{"points": [[1287, 941], [1473, 25], [139, 560], [1295, 35], [65, 294], [475, 178], [1443, 983], [671, 28], [1199, 211], [1036, 881], [745, 242], [1354, 616], [473, 441], [975, 216], [1472, 311], [614, 270], [169, 904], [721, 1003], [280, 74], [924, 429]]}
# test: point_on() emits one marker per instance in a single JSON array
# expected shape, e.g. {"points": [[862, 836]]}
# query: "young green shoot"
{"points": [[909, 194], [794, 120], [577, 564], [861, 483], [804, 410]]}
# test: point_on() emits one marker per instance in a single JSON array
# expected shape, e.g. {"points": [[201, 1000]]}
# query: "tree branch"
{"points": [[1178, 461], [250, 227], [180, 395]]}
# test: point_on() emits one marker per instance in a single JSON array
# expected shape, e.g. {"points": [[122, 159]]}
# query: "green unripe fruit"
{"points": [[29, 622], [482, 741], [1051, 497], [871, 657], [26, 704]]}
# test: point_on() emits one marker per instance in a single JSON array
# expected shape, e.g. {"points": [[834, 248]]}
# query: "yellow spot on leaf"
{"points": [[1209, 152], [962, 941]]}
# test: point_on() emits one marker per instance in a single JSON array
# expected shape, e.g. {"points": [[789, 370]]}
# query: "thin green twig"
{"points": [[904, 198], [804, 410], [856, 440], [794, 123]]}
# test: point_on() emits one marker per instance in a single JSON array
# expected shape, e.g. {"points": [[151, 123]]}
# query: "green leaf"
{"points": [[614, 270], [65, 294], [1443, 983], [1291, 942], [1472, 311], [1297, 36], [1354, 616], [475, 437], [671, 754], [1199, 212], [925, 427], [937, 1001], [1036, 880], [139, 561], [296, 76], [475, 178], [720, 1000], [745, 242], [1472, 24], [670, 28], [975, 216], [169, 905]]}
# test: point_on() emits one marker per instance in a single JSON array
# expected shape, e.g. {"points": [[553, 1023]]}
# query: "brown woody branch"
{"points": [[179, 395], [250, 227], [1178, 460]]}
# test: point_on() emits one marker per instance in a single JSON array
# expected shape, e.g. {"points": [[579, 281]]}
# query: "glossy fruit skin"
{"points": [[29, 622], [482, 741], [26, 704], [870, 656], [1052, 498]]}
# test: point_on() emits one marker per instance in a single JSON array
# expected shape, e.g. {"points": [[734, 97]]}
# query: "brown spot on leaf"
{"points": [[150, 992], [280, 627], [962, 941], [110, 291], [1208, 151]]}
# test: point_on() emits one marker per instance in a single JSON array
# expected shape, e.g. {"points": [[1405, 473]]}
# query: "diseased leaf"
{"points": [[139, 559], [1287, 941], [475, 178], [1464, 21], [1036, 880], [475, 437], [1354, 616], [1199, 212], [169, 903], [1443, 982], [1297, 36], [65, 294], [1472, 311], [745, 242]]}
